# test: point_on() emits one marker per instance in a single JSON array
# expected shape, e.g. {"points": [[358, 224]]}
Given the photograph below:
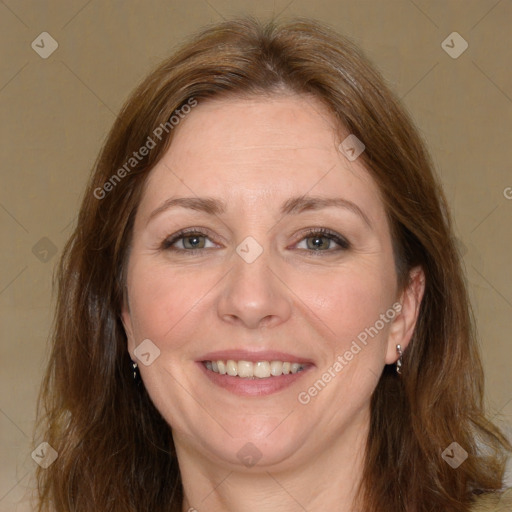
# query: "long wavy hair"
{"points": [[115, 451]]}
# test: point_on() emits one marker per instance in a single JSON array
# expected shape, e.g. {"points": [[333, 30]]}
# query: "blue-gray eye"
{"points": [[190, 240], [194, 241], [319, 240]]}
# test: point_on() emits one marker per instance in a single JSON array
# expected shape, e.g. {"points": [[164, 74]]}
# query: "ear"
{"points": [[127, 322], [403, 325]]}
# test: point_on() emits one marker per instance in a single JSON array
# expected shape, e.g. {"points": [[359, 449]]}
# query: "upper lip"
{"points": [[253, 356]]}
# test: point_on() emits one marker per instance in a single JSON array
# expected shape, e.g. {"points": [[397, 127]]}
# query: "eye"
{"points": [[322, 240], [191, 239]]}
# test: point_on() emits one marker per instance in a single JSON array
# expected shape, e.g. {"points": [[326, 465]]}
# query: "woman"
{"points": [[262, 306]]}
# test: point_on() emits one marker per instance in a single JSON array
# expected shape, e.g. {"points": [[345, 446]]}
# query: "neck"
{"points": [[327, 481]]}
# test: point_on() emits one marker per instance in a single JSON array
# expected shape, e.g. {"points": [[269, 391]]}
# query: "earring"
{"points": [[399, 360], [136, 373]]}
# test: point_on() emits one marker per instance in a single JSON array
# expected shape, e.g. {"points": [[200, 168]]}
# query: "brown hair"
{"points": [[115, 451]]}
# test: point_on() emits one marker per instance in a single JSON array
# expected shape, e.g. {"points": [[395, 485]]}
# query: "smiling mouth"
{"points": [[253, 370]]}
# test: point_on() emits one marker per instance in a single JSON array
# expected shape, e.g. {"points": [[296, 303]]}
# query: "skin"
{"points": [[254, 154]]}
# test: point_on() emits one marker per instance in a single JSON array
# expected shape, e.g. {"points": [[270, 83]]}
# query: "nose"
{"points": [[254, 295]]}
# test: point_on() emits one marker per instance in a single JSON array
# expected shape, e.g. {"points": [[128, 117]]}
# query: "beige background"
{"points": [[56, 112]]}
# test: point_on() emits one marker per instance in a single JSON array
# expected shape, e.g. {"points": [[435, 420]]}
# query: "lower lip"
{"points": [[252, 387]]}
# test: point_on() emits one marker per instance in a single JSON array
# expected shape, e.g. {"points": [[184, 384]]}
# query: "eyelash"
{"points": [[319, 232]]}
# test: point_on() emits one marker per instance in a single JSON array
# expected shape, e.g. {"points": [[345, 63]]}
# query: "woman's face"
{"points": [[286, 264]]}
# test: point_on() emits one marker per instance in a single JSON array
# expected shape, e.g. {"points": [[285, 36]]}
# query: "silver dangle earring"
{"points": [[399, 360], [136, 373]]}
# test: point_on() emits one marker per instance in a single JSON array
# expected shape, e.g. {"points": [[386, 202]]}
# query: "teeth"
{"points": [[294, 368], [221, 367], [262, 370], [245, 369], [276, 368], [231, 368], [250, 370]]}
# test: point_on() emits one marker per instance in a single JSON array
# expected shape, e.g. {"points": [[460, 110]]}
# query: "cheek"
{"points": [[351, 306], [158, 299], [348, 301], [161, 299]]}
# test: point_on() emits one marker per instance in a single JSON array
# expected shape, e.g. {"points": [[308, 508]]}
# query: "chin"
{"points": [[256, 442]]}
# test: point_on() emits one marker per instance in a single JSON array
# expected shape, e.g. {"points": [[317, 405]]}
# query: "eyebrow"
{"points": [[292, 206]]}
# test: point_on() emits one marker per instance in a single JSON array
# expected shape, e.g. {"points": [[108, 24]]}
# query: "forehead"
{"points": [[259, 149]]}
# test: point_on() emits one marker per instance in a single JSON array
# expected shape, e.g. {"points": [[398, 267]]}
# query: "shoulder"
{"points": [[494, 502]]}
